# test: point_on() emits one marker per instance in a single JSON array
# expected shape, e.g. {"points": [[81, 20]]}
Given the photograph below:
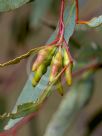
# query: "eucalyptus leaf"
{"points": [[29, 95], [7, 5], [95, 22], [69, 19]]}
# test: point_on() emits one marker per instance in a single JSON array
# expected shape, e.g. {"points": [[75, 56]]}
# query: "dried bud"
{"points": [[55, 65], [42, 55], [38, 74], [68, 71]]}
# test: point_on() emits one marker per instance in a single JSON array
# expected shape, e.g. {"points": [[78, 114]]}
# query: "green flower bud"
{"points": [[60, 87], [66, 59], [68, 71], [68, 74], [38, 74], [55, 65], [42, 55], [48, 59]]}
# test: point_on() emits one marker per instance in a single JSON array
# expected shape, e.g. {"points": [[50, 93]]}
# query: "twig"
{"points": [[77, 11], [18, 126], [92, 66]]}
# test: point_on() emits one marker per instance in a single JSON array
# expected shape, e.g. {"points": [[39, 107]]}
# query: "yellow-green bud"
{"points": [[60, 87], [42, 56], [66, 59], [55, 65], [38, 74], [48, 59], [68, 71], [68, 74]]}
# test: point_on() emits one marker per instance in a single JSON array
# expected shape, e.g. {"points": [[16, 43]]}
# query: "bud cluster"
{"points": [[58, 58]]}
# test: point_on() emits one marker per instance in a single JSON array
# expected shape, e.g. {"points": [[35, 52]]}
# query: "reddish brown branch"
{"points": [[77, 11], [78, 21], [13, 131], [61, 24], [92, 66]]}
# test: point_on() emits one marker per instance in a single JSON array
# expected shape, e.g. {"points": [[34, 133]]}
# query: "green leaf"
{"points": [[95, 22], [26, 108], [29, 95], [7, 5], [69, 19]]}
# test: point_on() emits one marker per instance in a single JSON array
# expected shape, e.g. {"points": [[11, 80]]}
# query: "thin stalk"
{"points": [[61, 23], [77, 11], [78, 21]]}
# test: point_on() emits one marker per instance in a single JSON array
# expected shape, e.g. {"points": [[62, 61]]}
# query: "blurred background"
{"points": [[19, 32]]}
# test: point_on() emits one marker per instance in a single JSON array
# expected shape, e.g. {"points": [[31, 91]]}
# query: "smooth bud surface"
{"points": [[68, 71], [55, 65], [42, 56], [38, 74], [68, 74], [60, 88]]}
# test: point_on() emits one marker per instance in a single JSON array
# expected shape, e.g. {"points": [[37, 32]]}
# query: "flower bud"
{"points": [[42, 55], [68, 74], [48, 59], [66, 58], [38, 74], [68, 71], [60, 87], [55, 65]]}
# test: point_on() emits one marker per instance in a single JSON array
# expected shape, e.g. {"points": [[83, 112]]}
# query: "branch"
{"points": [[77, 10], [18, 126], [92, 66], [24, 56]]}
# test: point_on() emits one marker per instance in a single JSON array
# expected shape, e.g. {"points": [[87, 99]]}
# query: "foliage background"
{"points": [[13, 78]]}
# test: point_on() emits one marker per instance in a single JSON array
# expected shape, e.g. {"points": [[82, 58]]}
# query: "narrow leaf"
{"points": [[69, 19], [30, 94], [95, 22]]}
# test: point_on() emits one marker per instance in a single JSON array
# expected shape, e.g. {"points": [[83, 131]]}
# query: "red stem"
{"points": [[77, 11], [93, 66], [54, 42], [61, 24], [13, 131], [60, 34], [77, 15]]}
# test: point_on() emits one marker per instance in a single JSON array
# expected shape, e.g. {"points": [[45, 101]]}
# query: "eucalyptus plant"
{"points": [[56, 62]]}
